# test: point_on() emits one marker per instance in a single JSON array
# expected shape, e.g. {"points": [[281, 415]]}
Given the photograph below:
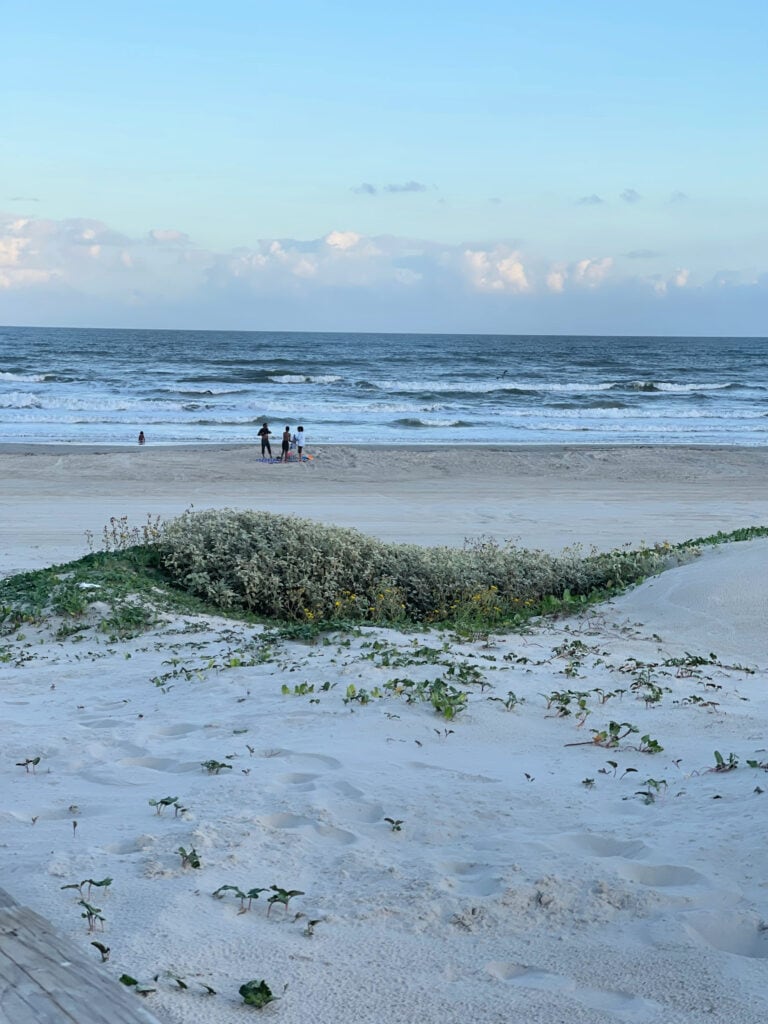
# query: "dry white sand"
{"points": [[544, 497], [514, 891]]}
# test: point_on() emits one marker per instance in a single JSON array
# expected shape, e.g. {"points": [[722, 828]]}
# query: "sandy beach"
{"points": [[501, 867], [539, 497]]}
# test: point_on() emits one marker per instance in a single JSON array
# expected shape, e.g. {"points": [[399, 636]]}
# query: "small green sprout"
{"points": [[250, 895], [721, 765], [613, 735], [653, 787], [511, 701], [92, 915], [395, 823], [104, 883], [256, 993], [189, 859], [649, 746], [214, 767], [166, 801], [27, 763], [129, 982], [283, 896]]}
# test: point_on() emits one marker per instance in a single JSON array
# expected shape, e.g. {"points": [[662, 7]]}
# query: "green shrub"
{"points": [[294, 569]]}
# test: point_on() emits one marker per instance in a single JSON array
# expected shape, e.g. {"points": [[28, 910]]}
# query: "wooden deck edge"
{"points": [[45, 979]]}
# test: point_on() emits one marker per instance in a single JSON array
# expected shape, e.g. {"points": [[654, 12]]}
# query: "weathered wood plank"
{"points": [[44, 979]]}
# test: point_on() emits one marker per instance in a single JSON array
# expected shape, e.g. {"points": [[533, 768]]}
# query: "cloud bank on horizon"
{"points": [[80, 271], [591, 168]]}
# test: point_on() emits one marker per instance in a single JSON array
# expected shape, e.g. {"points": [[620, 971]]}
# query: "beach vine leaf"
{"points": [[256, 993], [283, 896]]}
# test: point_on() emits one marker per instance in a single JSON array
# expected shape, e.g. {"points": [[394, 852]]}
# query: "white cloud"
{"points": [[14, 279], [11, 250], [680, 278], [167, 236], [406, 283], [555, 280], [495, 270], [590, 272], [342, 239]]}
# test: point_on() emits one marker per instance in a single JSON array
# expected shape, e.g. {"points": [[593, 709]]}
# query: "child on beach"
{"points": [[286, 445], [300, 442], [264, 434], [142, 439]]}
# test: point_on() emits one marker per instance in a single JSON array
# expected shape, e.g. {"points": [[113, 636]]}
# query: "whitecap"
{"points": [[20, 400], [23, 378]]}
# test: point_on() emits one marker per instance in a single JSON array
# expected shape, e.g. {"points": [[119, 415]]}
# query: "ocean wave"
{"points": [[103, 404], [411, 421], [671, 388], [533, 387], [594, 403], [488, 386], [300, 378], [230, 380], [552, 413], [195, 392], [491, 389], [23, 378], [224, 423], [19, 400]]}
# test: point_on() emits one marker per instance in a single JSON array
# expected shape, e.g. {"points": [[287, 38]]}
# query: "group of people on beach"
{"points": [[287, 442]]}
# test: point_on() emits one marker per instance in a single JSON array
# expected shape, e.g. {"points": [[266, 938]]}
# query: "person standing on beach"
{"points": [[286, 445], [264, 434], [142, 439], [300, 442]]}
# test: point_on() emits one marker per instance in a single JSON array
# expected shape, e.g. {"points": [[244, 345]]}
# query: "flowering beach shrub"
{"points": [[289, 568]]}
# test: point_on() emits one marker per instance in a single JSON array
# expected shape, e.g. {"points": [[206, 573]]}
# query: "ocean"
{"points": [[77, 386]]}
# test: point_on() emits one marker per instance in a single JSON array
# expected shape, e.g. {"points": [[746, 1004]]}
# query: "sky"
{"points": [[555, 167]]}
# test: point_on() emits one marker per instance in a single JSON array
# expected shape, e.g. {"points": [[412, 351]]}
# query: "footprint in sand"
{"points": [[285, 821], [330, 833], [742, 934], [139, 844], [313, 760], [623, 1005], [337, 836], [182, 729], [107, 775], [471, 878], [348, 790], [161, 764], [602, 846], [303, 781], [660, 875], [321, 760], [353, 806], [102, 723]]}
